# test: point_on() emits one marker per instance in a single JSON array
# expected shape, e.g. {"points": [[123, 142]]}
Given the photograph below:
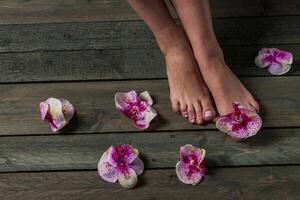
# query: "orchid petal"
{"points": [[254, 125], [138, 109], [123, 100], [189, 149], [129, 179], [127, 153], [284, 57], [188, 175], [279, 69], [107, 171], [112, 156], [261, 62], [138, 166], [144, 122], [146, 97]]}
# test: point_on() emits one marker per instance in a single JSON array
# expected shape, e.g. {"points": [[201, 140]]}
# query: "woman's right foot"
{"points": [[188, 93]]}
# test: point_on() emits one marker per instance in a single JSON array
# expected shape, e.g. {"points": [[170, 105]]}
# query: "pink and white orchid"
{"points": [[121, 163], [278, 62], [57, 112], [240, 124], [137, 108], [190, 169]]}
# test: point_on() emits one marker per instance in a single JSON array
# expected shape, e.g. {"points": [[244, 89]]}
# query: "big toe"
{"points": [[209, 112]]}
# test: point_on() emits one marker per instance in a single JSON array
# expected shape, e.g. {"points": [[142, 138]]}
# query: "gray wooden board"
{"points": [[45, 11], [96, 112], [270, 183], [117, 64], [135, 34], [157, 149]]}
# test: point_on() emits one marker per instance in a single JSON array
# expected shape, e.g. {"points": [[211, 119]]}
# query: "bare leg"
{"points": [[223, 84], [188, 92]]}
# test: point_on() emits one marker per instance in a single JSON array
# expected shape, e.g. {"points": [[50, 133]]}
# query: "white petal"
{"points": [[128, 180]]}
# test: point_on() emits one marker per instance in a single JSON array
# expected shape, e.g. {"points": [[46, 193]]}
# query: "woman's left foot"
{"points": [[224, 86]]}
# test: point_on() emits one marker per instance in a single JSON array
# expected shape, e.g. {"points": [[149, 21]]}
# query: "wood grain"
{"points": [[158, 149], [96, 112], [134, 34], [119, 64], [270, 183], [49, 11]]}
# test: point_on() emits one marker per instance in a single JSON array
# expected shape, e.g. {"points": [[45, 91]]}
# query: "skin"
{"points": [[225, 87], [186, 63]]}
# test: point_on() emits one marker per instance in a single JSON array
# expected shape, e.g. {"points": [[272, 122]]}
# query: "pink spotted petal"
{"points": [[254, 125], [279, 69], [129, 179], [138, 166], [143, 122], [224, 124], [186, 176], [112, 156], [127, 153], [107, 171], [261, 61], [123, 100], [284, 57], [146, 97], [190, 150]]}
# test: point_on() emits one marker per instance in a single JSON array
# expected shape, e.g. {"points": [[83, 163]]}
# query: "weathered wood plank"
{"points": [[49, 11], [17, 12], [158, 149], [221, 183], [117, 64], [135, 34], [94, 101]]}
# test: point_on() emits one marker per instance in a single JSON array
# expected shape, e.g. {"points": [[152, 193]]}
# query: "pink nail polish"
{"points": [[208, 114]]}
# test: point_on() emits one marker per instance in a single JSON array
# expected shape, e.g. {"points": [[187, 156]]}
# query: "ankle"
{"points": [[170, 39]]}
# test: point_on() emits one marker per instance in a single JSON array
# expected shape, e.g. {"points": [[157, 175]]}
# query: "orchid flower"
{"points": [[121, 164], [57, 112], [278, 62], [190, 169], [240, 124], [137, 108]]}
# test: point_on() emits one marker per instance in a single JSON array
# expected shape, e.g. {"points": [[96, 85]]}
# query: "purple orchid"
{"points": [[137, 108], [57, 112], [278, 62], [240, 124], [190, 169], [121, 163]]}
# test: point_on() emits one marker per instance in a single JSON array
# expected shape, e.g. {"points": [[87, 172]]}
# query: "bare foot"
{"points": [[225, 87], [188, 92]]}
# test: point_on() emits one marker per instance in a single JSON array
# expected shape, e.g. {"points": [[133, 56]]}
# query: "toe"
{"points": [[183, 109], [209, 112], [175, 106], [198, 110], [255, 105], [191, 114]]}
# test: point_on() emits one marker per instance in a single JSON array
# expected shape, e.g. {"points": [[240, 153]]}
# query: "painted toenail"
{"points": [[208, 114], [192, 121]]}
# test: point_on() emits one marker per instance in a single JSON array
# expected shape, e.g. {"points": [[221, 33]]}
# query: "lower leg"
{"points": [[224, 85], [188, 92]]}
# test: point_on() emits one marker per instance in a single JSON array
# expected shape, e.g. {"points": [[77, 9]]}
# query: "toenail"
{"points": [[192, 120], [208, 114], [185, 115]]}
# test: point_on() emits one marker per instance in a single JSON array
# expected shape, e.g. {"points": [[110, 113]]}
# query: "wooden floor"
{"points": [[85, 51]]}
